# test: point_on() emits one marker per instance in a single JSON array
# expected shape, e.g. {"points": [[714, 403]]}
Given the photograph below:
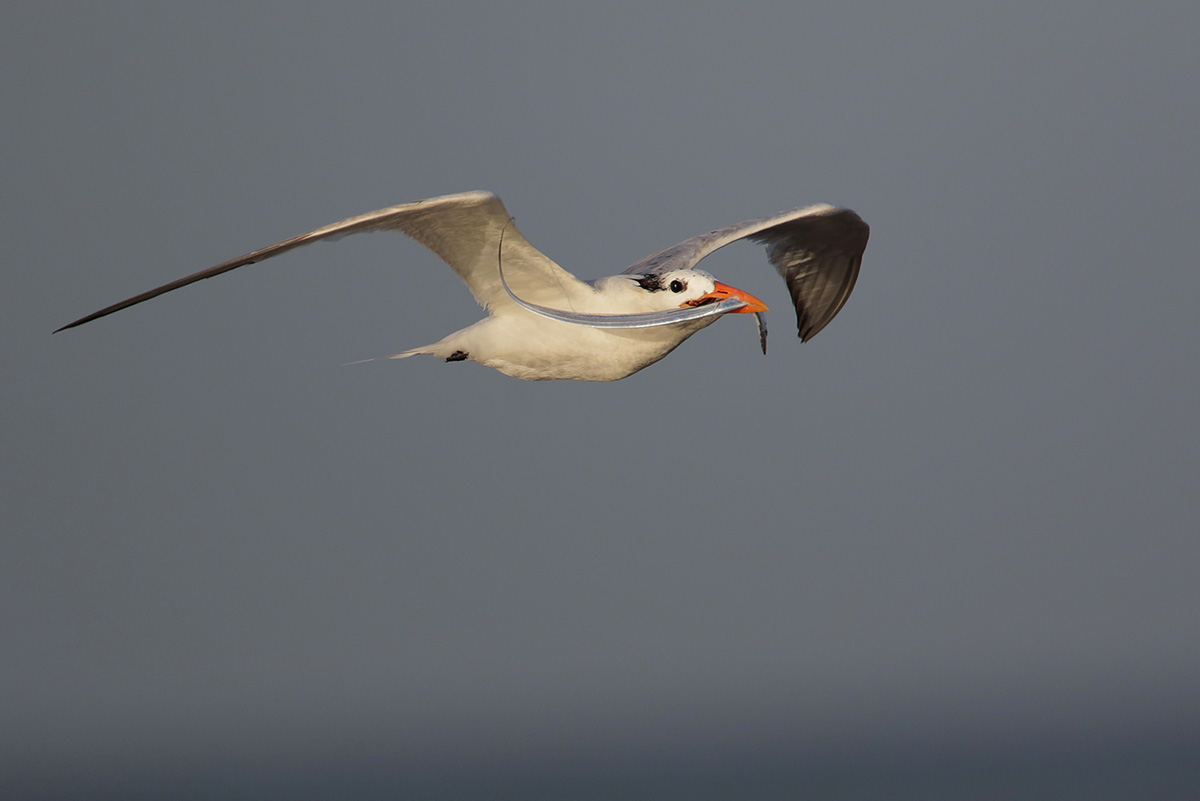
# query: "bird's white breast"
{"points": [[534, 348]]}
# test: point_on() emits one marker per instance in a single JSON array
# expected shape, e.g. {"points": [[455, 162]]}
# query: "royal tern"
{"points": [[542, 322]]}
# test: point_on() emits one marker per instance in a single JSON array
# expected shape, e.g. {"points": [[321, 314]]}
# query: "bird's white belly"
{"points": [[537, 349]]}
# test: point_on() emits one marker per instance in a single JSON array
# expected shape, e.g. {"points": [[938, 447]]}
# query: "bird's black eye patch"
{"points": [[650, 283], [678, 286]]}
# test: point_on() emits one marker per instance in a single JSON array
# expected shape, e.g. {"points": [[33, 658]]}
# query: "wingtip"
{"points": [[82, 320]]}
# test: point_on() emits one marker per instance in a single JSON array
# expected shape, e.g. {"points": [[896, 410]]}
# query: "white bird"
{"points": [[542, 322]]}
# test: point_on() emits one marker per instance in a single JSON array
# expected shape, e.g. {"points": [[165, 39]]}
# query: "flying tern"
{"points": [[543, 323]]}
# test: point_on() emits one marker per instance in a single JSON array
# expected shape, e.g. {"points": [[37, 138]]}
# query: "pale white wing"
{"points": [[817, 249], [463, 229]]}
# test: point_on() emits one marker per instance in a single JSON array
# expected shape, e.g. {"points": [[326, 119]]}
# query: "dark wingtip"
{"points": [[83, 320]]}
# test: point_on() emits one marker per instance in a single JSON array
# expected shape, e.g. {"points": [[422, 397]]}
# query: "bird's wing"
{"points": [[463, 229], [817, 249]]}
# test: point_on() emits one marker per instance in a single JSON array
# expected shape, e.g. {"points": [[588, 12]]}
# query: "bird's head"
{"points": [[684, 288]]}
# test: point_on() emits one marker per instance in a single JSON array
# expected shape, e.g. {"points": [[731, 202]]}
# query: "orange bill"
{"points": [[723, 292]]}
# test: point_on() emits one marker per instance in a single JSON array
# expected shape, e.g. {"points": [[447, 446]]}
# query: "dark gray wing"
{"points": [[817, 249]]}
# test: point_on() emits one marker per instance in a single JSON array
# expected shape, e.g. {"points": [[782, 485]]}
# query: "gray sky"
{"points": [[947, 548]]}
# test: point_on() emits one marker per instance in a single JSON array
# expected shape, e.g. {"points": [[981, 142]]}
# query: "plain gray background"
{"points": [[947, 549]]}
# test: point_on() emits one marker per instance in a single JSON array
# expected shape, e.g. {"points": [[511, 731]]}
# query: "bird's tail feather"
{"points": [[426, 350]]}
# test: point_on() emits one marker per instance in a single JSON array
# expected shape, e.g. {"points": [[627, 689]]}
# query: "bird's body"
{"points": [[545, 323], [537, 349]]}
